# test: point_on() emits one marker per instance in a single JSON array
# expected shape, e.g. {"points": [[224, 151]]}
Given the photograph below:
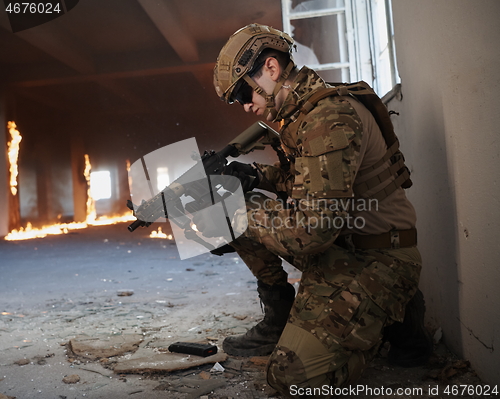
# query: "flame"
{"points": [[127, 164], [160, 234], [29, 232], [63, 228], [91, 212], [13, 153]]}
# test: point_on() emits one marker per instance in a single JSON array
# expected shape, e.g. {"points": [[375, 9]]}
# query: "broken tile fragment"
{"points": [[165, 362], [217, 368], [97, 348], [233, 364], [206, 387], [125, 292], [204, 375], [71, 379], [259, 360]]}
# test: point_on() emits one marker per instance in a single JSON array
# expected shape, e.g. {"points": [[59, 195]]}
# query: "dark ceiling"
{"points": [[135, 74]]}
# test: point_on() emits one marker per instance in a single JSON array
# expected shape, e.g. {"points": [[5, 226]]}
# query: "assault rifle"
{"points": [[203, 192]]}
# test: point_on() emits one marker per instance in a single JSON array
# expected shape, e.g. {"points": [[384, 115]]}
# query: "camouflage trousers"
{"points": [[336, 324], [264, 264]]}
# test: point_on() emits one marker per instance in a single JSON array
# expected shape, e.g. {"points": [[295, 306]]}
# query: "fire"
{"points": [[29, 232], [13, 153], [91, 212], [63, 228], [160, 234], [127, 164]]}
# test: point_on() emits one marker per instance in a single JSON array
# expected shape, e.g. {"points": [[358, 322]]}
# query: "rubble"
{"points": [[165, 362], [58, 328], [97, 348], [22, 362], [192, 387], [450, 370], [204, 375], [71, 379], [217, 368], [125, 293], [259, 360]]}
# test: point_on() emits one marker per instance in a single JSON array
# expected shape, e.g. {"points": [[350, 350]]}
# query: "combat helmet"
{"points": [[237, 58]]}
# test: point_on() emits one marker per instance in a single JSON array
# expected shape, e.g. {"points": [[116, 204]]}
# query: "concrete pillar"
{"points": [[79, 182], [123, 187], [12, 219], [43, 186], [4, 169]]}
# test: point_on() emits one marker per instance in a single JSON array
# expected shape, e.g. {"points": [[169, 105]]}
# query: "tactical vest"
{"points": [[397, 168]]}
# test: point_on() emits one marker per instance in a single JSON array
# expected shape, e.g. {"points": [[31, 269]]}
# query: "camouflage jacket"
{"points": [[323, 146], [324, 149]]}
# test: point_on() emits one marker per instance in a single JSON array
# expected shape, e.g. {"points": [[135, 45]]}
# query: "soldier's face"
{"points": [[258, 103]]}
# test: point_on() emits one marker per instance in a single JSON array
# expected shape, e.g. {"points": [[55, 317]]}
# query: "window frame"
{"points": [[360, 59]]}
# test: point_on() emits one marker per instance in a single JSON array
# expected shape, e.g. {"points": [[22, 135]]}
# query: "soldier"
{"points": [[348, 227]]}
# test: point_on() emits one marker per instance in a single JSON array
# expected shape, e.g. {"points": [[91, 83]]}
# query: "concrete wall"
{"points": [[449, 125]]}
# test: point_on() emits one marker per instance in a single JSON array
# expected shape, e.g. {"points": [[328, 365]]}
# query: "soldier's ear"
{"points": [[273, 67]]}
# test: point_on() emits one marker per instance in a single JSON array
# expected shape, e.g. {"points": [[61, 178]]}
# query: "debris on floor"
{"points": [[77, 325], [71, 379], [125, 293], [98, 348], [450, 370], [165, 362], [22, 362]]}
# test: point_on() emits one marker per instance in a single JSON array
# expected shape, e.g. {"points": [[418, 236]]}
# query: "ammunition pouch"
{"points": [[396, 174]]}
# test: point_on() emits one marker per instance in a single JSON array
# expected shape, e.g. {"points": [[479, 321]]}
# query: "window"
{"points": [[100, 185], [162, 178], [344, 40]]}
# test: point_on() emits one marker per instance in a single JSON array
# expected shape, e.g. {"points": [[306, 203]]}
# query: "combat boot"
{"points": [[411, 343], [261, 339]]}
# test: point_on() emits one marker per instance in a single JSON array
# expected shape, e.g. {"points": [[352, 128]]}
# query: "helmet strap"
{"points": [[270, 98], [279, 85]]}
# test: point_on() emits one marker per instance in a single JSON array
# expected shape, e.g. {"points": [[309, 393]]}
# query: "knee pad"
{"points": [[285, 370]]}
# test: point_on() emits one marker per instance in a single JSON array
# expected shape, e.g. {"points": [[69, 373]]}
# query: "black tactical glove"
{"points": [[210, 222], [214, 221], [247, 175]]}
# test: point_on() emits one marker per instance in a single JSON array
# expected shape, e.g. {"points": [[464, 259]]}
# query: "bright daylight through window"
{"points": [[344, 40], [100, 185]]}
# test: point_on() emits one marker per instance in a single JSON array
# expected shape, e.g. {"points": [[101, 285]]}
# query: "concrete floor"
{"points": [[61, 287]]}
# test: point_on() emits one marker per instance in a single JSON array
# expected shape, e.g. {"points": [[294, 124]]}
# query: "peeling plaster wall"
{"points": [[449, 126]]}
